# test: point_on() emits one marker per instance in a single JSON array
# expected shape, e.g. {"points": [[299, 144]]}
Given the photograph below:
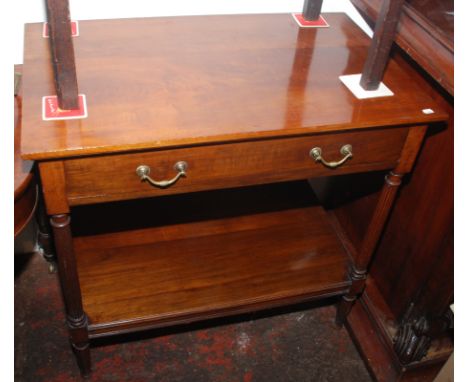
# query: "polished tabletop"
{"points": [[166, 82]]}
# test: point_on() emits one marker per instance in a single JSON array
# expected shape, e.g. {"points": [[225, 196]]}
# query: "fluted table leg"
{"points": [[76, 317], [358, 270]]}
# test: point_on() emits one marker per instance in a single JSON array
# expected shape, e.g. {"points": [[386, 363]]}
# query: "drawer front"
{"points": [[114, 177]]}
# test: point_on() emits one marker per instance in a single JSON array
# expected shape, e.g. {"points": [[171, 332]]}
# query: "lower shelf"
{"points": [[180, 273]]}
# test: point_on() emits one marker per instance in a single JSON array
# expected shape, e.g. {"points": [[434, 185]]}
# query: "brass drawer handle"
{"points": [[346, 150], [144, 171]]}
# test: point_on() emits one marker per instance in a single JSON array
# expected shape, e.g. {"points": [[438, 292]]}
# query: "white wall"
{"points": [[27, 11]]}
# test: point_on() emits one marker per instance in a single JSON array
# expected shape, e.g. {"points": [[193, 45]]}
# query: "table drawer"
{"points": [[114, 177]]}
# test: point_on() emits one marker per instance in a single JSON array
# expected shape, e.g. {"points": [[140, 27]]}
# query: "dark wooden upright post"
{"points": [[359, 268], [44, 237], [76, 318], [54, 186], [312, 9], [63, 56], [379, 51]]}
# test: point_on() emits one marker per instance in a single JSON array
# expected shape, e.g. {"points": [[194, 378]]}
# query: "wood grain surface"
{"points": [[211, 267], [113, 177], [183, 258], [175, 81]]}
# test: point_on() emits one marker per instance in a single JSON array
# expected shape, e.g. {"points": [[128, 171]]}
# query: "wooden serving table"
{"points": [[228, 110]]}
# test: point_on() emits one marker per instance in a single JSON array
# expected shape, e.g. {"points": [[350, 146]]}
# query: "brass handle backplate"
{"points": [[346, 150], [143, 172]]}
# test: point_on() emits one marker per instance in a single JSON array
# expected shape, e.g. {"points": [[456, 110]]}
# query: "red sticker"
{"points": [[74, 28], [303, 23], [51, 111]]}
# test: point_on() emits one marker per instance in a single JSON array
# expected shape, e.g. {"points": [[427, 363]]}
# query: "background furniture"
{"points": [[407, 299], [25, 186], [30, 234]]}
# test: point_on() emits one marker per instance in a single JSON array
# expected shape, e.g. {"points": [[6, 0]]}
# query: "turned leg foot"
{"points": [[44, 237], [358, 279], [343, 308], [76, 318], [83, 358], [78, 329]]}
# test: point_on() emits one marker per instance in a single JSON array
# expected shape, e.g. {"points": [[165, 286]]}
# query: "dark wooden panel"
{"points": [[439, 14]]}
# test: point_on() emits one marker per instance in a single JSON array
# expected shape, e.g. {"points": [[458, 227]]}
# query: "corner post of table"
{"points": [[382, 40], [44, 235], [62, 54], [359, 268], [53, 184], [312, 9]]}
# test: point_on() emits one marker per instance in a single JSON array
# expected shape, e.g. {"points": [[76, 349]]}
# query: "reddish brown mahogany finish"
{"points": [[239, 114], [63, 56], [53, 187], [175, 92], [229, 266], [382, 41], [107, 178], [76, 318], [359, 268]]}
